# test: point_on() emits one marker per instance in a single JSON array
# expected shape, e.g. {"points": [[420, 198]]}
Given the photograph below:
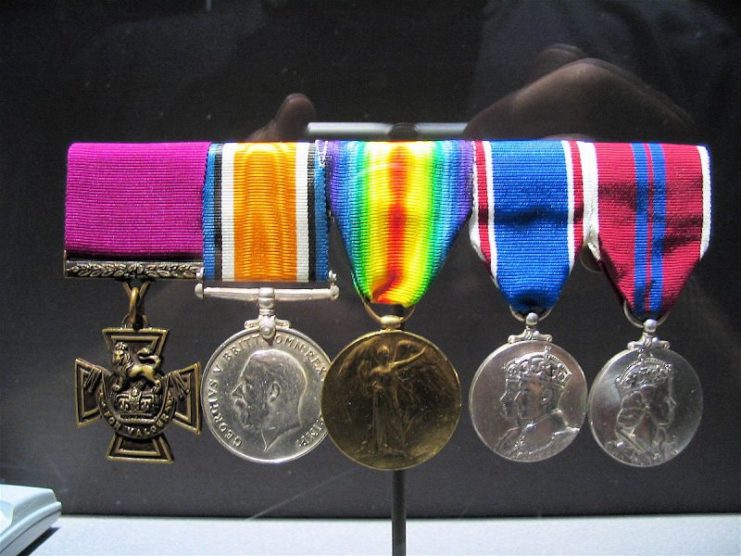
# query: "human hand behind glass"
{"points": [[567, 95], [289, 122], [571, 95]]}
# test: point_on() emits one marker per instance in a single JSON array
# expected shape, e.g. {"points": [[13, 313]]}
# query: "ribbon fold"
{"points": [[398, 206]]}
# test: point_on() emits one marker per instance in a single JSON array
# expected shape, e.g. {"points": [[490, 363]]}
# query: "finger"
{"points": [[552, 58], [289, 123], [588, 97]]}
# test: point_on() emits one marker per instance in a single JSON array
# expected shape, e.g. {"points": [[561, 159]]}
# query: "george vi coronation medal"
{"points": [[528, 398], [391, 399], [264, 220], [646, 403]]}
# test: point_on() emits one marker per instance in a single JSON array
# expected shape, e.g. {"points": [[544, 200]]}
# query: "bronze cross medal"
{"points": [[135, 397]]}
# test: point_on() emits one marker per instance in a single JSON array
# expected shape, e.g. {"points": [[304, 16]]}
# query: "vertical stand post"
{"points": [[399, 514], [399, 497]]}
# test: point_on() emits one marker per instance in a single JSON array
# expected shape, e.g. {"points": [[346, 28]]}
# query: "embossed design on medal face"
{"points": [[135, 397], [528, 400], [391, 400], [268, 396], [646, 413], [535, 383], [645, 405], [262, 398]]}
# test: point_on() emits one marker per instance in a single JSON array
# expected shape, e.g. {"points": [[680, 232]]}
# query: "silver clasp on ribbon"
{"points": [[266, 298]]}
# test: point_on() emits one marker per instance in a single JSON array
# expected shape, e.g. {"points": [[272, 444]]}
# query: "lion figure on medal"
{"points": [[126, 369]]}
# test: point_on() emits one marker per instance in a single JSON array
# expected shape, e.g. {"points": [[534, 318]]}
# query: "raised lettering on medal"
{"points": [[266, 403]]}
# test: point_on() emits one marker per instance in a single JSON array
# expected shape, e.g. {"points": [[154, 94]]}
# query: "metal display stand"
{"points": [[400, 131], [399, 514]]}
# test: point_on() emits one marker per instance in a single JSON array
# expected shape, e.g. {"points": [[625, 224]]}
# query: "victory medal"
{"points": [[391, 399]]}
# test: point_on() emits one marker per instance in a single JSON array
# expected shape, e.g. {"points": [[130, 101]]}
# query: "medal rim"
{"points": [[600, 378], [512, 346], [379, 333], [204, 402]]}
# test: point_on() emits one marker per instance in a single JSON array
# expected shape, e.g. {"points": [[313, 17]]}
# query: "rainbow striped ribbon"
{"points": [[653, 221], [399, 206], [527, 223], [264, 213]]}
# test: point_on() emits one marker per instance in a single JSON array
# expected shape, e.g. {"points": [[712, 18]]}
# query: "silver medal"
{"points": [[261, 389], [528, 398], [646, 403]]}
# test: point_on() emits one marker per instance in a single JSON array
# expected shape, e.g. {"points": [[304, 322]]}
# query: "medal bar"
{"points": [[131, 270], [139, 213]]}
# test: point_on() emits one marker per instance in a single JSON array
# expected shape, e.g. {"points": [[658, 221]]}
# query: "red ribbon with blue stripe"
{"points": [[653, 221]]}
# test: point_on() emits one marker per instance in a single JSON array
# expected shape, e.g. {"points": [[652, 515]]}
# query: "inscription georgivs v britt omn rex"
{"points": [[262, 398]]}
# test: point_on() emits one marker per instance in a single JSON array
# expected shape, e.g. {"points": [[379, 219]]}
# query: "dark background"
{"points": [[165, 71]]}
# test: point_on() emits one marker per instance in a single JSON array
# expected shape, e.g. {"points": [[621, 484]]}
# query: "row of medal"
{"points": [[391, 399]]}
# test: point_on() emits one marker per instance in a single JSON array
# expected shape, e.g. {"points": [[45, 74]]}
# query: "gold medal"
{"points": [[391, 399]]}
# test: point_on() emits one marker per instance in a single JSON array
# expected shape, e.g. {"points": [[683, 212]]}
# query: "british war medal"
{"points": [[265, 222], [391, 399]]}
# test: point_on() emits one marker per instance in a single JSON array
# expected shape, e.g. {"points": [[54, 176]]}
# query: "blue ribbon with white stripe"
{"points": [[527, 218]]}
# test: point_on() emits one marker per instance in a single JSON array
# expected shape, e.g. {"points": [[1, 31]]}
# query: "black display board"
{"points": [[171, 71]]}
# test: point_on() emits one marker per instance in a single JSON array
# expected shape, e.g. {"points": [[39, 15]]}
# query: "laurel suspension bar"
{"points": [[399, 206], [264, 213]]}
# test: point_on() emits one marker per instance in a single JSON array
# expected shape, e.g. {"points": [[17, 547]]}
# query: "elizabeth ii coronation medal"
{"points": [[646, 403]]}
